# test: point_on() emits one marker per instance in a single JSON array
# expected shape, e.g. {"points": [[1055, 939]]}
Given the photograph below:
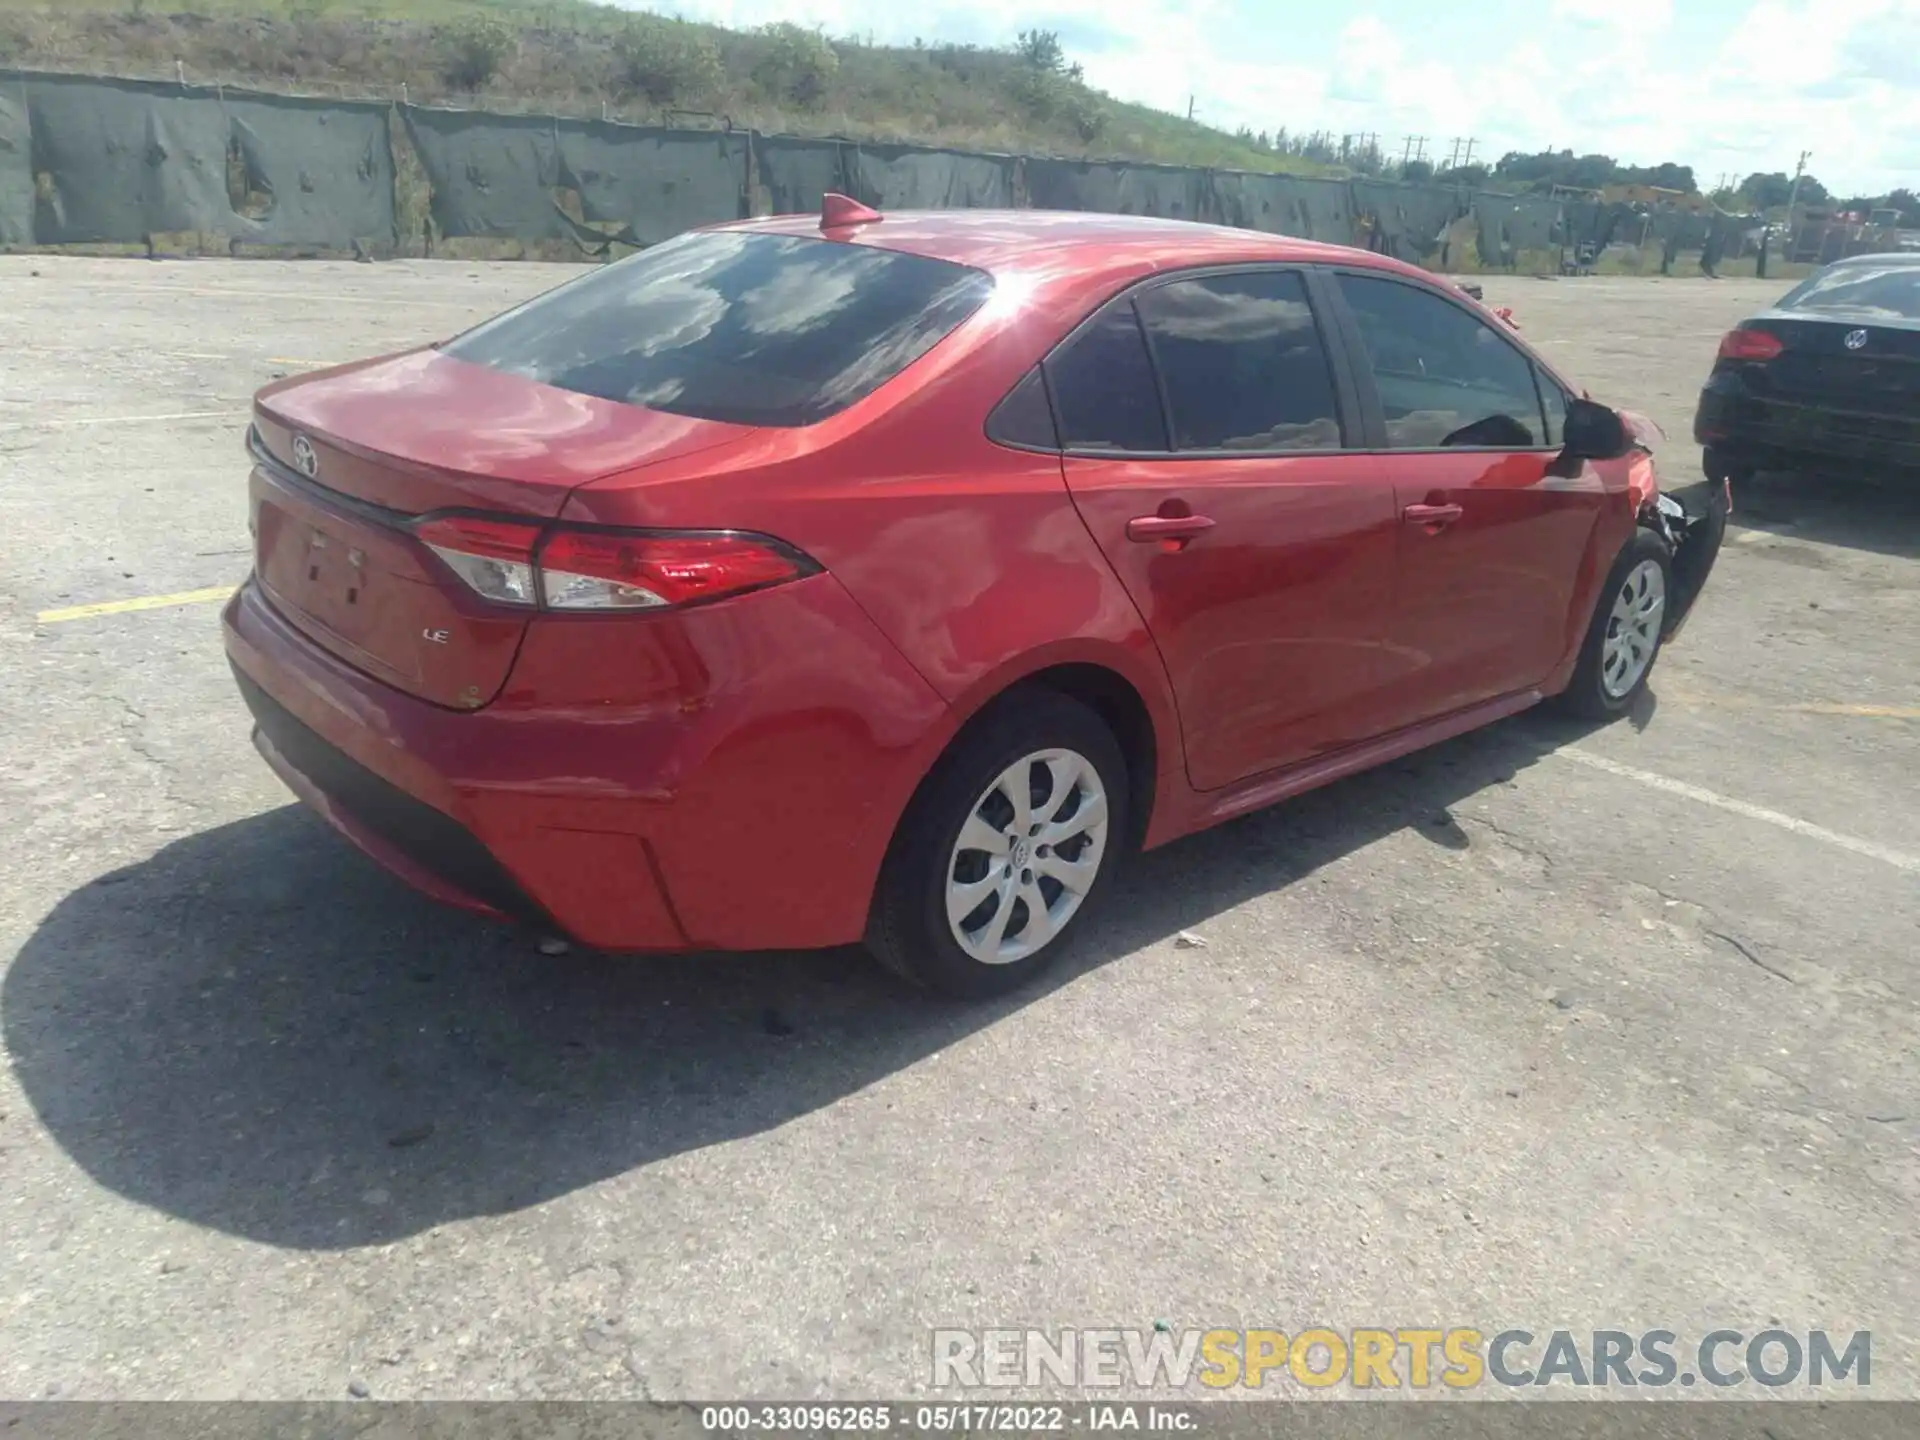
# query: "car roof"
{"points": [[1013, 241], [1880, 257]]}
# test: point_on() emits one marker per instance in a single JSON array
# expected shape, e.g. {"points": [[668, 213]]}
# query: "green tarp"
{"points": [[515, 176], [908, 177], [794, 174], [1163, 190], [16, 169], [90, 161], [121, 161]]}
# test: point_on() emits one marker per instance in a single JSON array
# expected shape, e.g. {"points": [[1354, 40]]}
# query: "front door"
{"points": [[1493, 529], [1204, 429]]}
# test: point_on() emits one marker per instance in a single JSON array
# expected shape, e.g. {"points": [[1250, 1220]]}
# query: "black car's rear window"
{"points": [[1866, 289], [752, 329]]}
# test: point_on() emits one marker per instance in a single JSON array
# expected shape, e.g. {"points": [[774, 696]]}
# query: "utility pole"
{"points": [[1190, 100], [1416, 149], [1793, 198]]}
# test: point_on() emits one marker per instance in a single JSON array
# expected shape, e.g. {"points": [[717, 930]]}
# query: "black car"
{"points": [[1828, 379]]}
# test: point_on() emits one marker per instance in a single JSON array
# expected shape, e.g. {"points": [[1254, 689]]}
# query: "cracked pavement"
{"points": [[1498, 1035]]}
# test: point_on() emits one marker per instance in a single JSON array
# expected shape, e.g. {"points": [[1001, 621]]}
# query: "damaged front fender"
{"points": [[1693, 534]]}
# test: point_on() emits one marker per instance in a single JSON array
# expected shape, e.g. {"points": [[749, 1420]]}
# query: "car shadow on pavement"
{"points": [[258, 1031], [1861, 515]]}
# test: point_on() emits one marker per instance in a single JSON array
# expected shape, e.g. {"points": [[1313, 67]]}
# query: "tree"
{"points": [[1665, 176], [475, 52], [798, 64], [667, 60], [1042, 50], [1473, 176], [1416, 172], [1548, 168], [1774, 189], [1906, 202]]}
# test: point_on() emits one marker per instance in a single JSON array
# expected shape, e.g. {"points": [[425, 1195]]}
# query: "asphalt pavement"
{"points": [[1543, 1028]]}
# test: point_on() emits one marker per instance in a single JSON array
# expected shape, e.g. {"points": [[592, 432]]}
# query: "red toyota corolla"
{"points": [[838, 578]]}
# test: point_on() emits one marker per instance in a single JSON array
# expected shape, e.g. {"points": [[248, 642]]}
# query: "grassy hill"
{"points": [[574, 57]]}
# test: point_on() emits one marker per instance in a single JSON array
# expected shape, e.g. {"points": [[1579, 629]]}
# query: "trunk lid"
{"points": [[1877, 374], [344, 461]]}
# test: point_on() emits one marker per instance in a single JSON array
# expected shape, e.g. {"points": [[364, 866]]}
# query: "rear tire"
{"points": [[1004, 848], [1623, 639]]}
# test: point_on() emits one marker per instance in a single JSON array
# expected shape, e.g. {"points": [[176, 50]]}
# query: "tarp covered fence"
{"points": [[16, 168], [119, 161], [512, 176], [86, 160]]}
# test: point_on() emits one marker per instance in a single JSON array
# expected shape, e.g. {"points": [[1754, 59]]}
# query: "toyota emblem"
{"points": [[1856, 340], [308, 463]]}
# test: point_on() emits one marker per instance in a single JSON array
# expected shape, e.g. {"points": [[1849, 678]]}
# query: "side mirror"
{"points": [[1593, 432]]}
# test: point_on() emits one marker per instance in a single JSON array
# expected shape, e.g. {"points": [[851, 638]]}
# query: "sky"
{"points": [[1727, 86]]}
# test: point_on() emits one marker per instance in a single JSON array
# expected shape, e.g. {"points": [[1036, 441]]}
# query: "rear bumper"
{"points": [[423, 846], [721, 820], [1743, 430]]}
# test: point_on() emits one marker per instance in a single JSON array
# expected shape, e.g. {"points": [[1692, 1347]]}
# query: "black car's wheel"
{"points": [[1005, 845], [1623, 639]]}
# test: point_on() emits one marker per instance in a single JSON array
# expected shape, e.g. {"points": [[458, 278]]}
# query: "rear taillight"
{"points": [[515, 562], [619, 570], [1743, 344], [493, 557]]}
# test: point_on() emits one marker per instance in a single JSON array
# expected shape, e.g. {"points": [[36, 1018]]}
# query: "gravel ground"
{"points": [[1539, 1028]]}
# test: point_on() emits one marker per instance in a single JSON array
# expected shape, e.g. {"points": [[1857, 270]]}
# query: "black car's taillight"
{"points": [[1752, 346]]}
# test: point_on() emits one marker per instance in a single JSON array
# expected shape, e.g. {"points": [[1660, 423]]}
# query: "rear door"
{"points": [[1492, 530], [1204, 422]]}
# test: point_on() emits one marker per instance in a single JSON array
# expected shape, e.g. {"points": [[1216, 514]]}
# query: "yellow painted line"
{"points": [[1877, 712], [145, 602], [1688, 693], [120, 420]]}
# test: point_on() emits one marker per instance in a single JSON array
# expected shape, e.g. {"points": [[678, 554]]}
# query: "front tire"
{"points": [[1624, 637], [1004, 848]]}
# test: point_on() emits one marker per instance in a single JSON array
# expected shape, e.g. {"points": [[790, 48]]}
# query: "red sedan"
{"points": [[824, 579]]}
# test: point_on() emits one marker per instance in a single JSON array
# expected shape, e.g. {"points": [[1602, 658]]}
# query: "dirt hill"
{"points": [[572, 57]]}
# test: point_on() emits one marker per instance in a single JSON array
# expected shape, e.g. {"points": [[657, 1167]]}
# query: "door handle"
{"points": [[1148, 528], [1431, 517]]}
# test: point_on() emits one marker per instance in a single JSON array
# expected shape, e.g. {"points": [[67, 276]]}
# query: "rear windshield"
{"points": [[747, 328], [1887, 290]]}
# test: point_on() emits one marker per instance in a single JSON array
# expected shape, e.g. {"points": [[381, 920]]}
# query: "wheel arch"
{"points": [[1141, 720]]}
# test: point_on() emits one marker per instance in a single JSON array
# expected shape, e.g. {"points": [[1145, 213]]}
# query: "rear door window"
{"points": [[1446, 378], [1104, 393], [1025, 418], [779, 330], [1242, 362]]}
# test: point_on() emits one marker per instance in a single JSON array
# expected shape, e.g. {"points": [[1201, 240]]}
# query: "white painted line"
{"points": [[1899, 859], [121, 419]]}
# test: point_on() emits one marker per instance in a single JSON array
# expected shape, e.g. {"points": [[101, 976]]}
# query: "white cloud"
{"points": [[1838, 77], [1638, 16]]}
